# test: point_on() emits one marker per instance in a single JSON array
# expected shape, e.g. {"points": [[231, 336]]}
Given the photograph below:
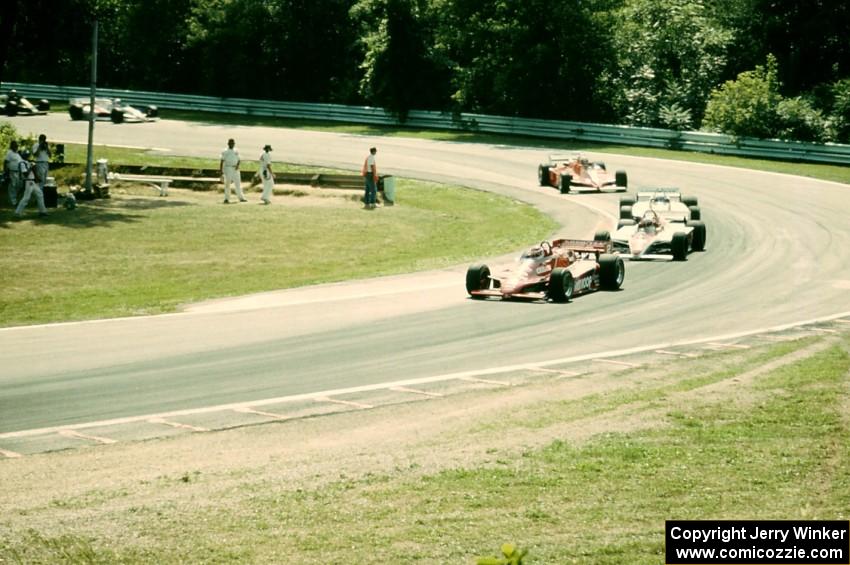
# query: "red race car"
{"points": [[567, 173], [555, 271]]}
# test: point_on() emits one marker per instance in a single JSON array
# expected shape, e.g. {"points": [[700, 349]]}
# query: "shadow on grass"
{"points": [[90, 213]]}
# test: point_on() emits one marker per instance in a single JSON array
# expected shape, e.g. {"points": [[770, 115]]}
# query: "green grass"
{"points": [[836, 173], [139, 254], [772, 449]]}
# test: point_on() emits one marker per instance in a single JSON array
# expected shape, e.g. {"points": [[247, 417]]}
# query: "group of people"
{"points": [[230, 161], [27, 169], [228, 168]]}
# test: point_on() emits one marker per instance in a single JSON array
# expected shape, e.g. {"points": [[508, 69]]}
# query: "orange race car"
{"points": [[555, 271], [574, 172]]}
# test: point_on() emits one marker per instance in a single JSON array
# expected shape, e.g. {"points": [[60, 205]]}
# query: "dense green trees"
{"points": [[746, 67]]}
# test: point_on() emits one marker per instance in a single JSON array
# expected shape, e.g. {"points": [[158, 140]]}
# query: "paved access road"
{"points": [[778, 252]]}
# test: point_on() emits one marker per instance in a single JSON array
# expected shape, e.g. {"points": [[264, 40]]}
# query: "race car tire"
{"points": [[543, 175], [621, 179], [11, 108], [690, 201], [152, 111], [602, 235], [477, 278], [117, 116], [698, 237], [43, 105], [561, 285], [612, 271], [696, 214], [76, 111], [626, 213], [625, 222], [679, 246], [627, 200], [564, 184]]}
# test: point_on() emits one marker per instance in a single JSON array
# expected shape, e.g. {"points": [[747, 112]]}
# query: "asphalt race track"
{"points": [[778, 253]]}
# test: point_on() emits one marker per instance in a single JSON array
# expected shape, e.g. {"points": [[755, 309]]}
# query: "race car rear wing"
{"points": [[584, 245], [563, 157], [672, 193]]}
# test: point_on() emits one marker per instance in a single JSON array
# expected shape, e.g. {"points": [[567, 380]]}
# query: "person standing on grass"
{"points": [[266, 174], [11, 170], [229, 168], [41, 156], [370, 174], [30, 173]]}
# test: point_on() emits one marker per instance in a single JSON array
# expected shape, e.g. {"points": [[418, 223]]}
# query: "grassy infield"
{"points": [[774, 447]]}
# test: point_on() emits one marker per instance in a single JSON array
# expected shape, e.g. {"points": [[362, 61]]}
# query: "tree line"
{"points": [[765, 68]]}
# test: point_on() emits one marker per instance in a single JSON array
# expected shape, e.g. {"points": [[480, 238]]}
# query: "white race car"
{"points": [[657, 237], [110, 109]]}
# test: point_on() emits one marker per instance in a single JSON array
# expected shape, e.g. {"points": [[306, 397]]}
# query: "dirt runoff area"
{"points": [[423, 436]]}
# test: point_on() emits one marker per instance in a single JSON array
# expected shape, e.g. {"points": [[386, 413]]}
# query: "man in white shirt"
{"points": [[11, 166], [266, 174], [229, 168], [41, 156], [30, 173]]}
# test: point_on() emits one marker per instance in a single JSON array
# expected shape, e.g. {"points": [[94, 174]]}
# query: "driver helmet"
{"points": [[535, 252]]}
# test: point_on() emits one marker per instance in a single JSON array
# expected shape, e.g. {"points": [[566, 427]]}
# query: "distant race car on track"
{"points": [[555, 271], [574, 172], [13, 104], [110, 109], [659, 225]]}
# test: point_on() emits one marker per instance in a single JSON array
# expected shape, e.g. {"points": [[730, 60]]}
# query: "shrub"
{"points": [[746, 106], [840, 114], [798, 119], [7, 134]]}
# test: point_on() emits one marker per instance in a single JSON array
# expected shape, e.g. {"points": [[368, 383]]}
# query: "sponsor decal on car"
{"points": [[583, 283]]}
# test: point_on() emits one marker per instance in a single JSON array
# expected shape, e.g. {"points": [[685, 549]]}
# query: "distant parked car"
{"points": [[574, 172], [13, 104], [113, 109]]}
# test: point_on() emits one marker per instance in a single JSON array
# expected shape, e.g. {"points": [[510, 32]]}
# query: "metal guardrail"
{"points": [[550, 129]]}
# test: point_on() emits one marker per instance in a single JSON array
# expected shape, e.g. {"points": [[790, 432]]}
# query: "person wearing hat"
{"points": [[266, 174], [29, 173]]}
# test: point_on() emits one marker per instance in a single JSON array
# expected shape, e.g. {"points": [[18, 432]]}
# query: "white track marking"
{"points": [[484, 381], [561, 372], [616, 362], [177, 425], [9, 454], [247, 410], [463, 375], [359, 405], [727, 345], [79, 435], [416, 391], [675, 353]]}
